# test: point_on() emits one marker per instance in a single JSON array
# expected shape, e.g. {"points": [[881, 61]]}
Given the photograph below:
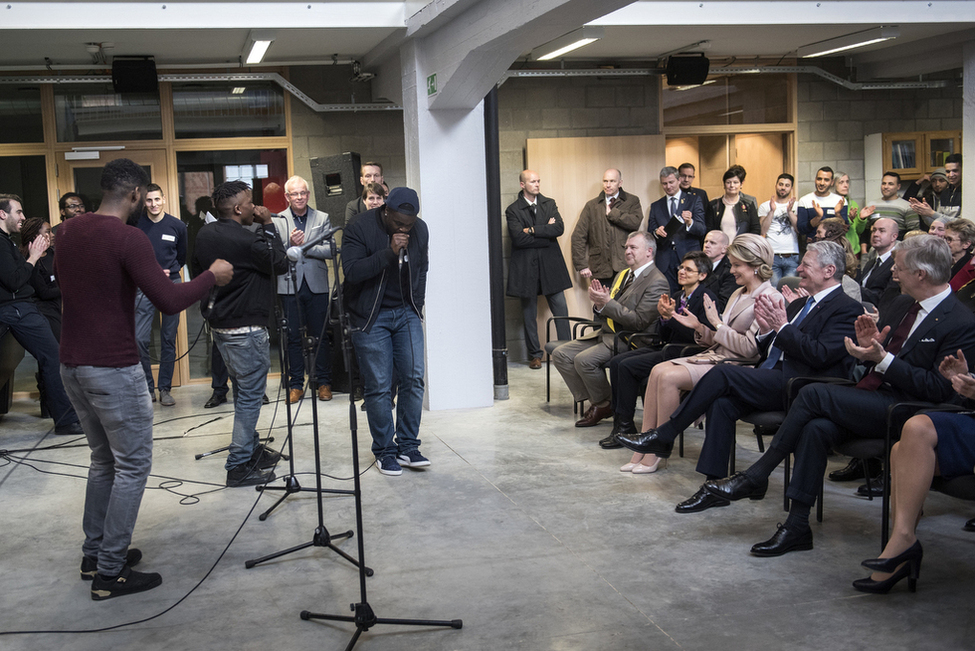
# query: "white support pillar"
{"points": [[445, 165], [968, 133]]}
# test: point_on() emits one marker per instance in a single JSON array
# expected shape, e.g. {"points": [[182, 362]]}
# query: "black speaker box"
{"points": [[336, 183], [134, 75], [687, 70]]}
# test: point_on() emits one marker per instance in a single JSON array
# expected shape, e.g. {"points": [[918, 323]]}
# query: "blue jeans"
{"points": [[248, 359], [395, 341], [116, 414], [33, 332], [145, 314], [314, 309], [783, 266]]}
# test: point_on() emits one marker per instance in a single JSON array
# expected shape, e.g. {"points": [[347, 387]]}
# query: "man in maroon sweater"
{"points": [[99, 263]]}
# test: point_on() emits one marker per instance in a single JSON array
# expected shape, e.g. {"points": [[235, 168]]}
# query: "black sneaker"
{"points": [[246, 474], [412, 459], [388, 466], [89, 564], [127, 582], [72, 429], [264, 457]]}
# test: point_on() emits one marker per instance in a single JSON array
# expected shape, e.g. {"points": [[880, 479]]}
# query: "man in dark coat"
{"points": [[536, 266]]}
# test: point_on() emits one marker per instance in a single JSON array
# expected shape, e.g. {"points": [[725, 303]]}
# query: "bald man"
{"points": [[603, 227]]}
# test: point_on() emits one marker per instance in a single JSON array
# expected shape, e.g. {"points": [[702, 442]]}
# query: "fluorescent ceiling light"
{"points": [[238, 90], [258, 41], [849, 42], [565, 44]]}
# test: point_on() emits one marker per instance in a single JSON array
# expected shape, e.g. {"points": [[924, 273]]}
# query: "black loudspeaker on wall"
{"points": [[134, 75], [691, 70], [336, 182]]}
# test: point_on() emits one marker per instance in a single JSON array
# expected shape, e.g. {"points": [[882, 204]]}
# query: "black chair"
{"points": [[11, 354], [579, 327]]}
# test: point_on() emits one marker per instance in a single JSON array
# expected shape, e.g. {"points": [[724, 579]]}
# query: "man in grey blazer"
{"points": [[629, 304], [297, 225]]}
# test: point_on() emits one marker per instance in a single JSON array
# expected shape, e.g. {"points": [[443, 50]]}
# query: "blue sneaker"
{"points": [[388, 466], [413, 459]]}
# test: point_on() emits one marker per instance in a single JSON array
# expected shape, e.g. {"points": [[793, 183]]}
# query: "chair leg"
{"points": [[785, 487], [819, 503], [680, 446], [548, 378], [731, 462], [761, 441], [866, 473]]}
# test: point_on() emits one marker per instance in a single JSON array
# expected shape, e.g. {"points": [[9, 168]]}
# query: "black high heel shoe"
{"points": [[910, 569], [912, 554]]}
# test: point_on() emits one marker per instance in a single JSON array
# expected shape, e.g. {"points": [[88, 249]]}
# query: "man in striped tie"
{"points": [[629, 304], [802, 339], [901, 359]]}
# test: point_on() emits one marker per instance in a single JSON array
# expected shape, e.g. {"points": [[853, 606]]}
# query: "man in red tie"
{"points": [[901, 361]]}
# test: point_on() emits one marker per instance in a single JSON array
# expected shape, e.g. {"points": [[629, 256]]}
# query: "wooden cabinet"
{"points": [[913, 154]]}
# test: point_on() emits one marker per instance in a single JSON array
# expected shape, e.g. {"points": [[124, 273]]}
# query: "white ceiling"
{"points": [[215, 33]]}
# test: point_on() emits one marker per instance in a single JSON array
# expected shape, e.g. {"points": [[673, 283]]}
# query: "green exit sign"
{"points": [[432, 85]]}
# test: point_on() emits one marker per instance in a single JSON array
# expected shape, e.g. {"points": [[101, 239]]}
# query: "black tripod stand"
{"points": [[364, 617], [321, 536], [309, 351]]}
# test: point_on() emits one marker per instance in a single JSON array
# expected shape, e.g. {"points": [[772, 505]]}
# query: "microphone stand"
{"points": [[321, 536], [364, 617]]}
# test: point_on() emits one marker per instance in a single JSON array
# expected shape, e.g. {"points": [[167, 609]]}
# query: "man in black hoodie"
{"points": [[385, 264], [238, 314]]}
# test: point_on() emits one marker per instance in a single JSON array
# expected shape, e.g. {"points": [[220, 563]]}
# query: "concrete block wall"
{"points": [[563, 107], [834, 120]]}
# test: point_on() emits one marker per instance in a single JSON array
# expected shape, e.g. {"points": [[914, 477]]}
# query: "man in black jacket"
{"points": [[238, 314], [385, 263], [536, 266], [902, 357], [802, 339]]}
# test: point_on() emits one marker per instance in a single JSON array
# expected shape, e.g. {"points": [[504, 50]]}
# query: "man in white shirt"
{"points": [[779, 226], [819, 204]]}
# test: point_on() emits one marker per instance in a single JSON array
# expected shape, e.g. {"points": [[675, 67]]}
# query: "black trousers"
{"points": [[627, 372]]}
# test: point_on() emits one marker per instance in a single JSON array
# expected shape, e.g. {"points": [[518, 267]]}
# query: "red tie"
{"points": [[872, 380]]}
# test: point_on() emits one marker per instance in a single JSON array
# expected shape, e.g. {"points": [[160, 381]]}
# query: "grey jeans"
{"points": [[115, 410]]}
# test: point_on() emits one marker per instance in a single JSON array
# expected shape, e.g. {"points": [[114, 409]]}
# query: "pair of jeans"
{"points": [[116, 414], [145, 314], [33, 332], [248, 359], [314, 311], [529, 312], [393, 344], [783, 266]]}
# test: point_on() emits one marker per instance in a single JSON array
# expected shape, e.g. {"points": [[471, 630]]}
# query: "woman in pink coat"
{"points": [[730, 335]]}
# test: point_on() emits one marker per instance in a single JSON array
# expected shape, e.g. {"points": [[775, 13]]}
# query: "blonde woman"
{"points": [[733, 336]]}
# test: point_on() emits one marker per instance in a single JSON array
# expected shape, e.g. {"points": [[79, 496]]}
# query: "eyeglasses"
{"points": [[298, 195], [688, 270]]}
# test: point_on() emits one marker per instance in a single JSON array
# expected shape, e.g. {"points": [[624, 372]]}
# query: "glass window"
{"points": [[198, 173], [228, 109], [20, 114], [732, 99], [26, 176], [86, 112]]}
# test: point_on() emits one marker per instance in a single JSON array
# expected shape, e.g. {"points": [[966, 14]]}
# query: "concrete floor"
{"points": [[522, 527]]}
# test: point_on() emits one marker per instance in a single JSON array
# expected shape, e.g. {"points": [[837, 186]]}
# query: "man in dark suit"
{"points": [[721, 283], [686, 174], [630, 304], [876, 284], [916, 333], [536, 266], [688, 212], [805, 338]]}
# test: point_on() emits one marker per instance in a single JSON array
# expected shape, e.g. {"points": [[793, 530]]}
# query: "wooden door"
{"points": [[763, 157]]}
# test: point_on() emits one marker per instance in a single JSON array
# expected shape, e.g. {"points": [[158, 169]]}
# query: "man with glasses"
{"points": [[297, 225], [685, 174]]}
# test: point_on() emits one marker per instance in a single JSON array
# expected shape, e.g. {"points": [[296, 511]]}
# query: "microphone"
{"points": [[402, 256], [295, 253], [213, 299]]}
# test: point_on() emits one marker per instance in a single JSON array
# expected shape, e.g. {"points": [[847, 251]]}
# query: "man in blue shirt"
{"points": [[168, 237]]}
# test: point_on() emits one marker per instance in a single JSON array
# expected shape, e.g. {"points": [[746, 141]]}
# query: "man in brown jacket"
{"points": [[602, 229]]}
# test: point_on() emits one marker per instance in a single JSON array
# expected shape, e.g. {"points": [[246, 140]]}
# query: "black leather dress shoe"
{"points": [[215, 400], [970, 525], [854, 470], [610, 442], [784, 541], [876, 488], [737, 487], [700, 501], [646, 443]]}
